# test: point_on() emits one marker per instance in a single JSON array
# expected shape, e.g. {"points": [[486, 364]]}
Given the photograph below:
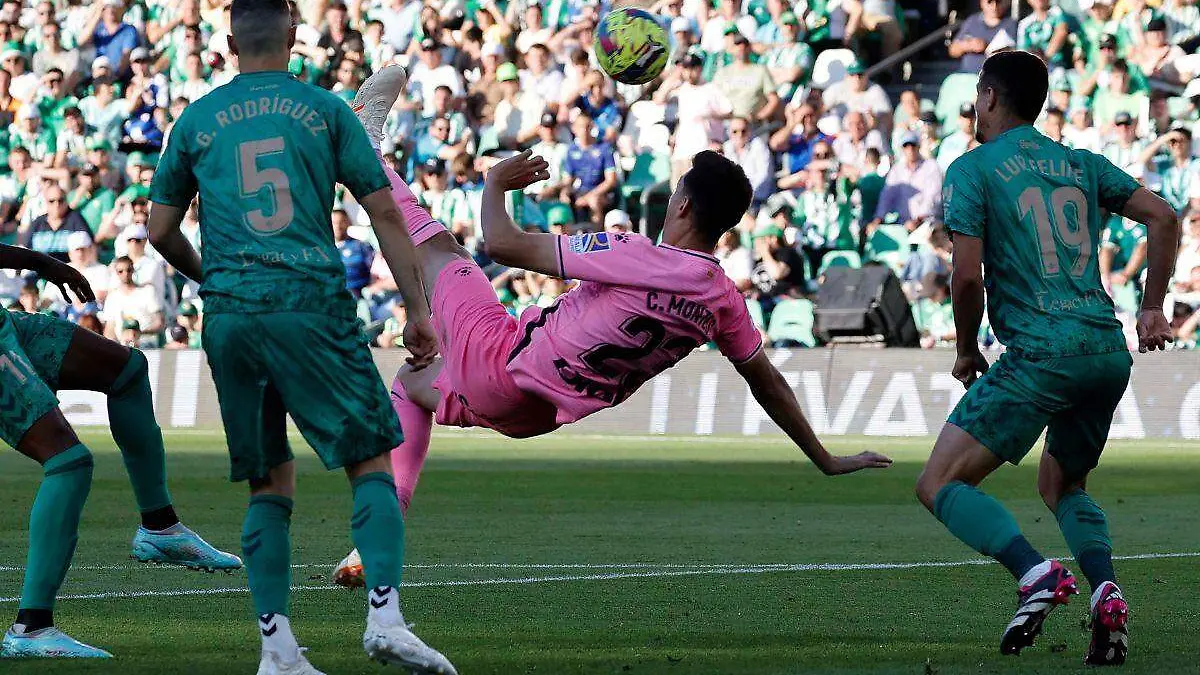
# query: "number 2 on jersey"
{"points": [[252, 180], [1056, 219], [652, 332]]}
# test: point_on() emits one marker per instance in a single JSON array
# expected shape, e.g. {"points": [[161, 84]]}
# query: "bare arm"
{"points": [[1163, 235], [397, 249], [170, 242], [58, 273], [966, 290], [506, 243], [401, 256], [779, 401], [1057, 40], [89, 26]]}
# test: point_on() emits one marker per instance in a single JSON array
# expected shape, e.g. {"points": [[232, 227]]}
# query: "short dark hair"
{"points": [[1020, 80], [260, 26], [719, 191]]}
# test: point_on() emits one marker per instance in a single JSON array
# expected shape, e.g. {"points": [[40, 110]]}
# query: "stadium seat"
{"points": [[839, 259], [887, 238], [792, 322], [649, 168], [830, 67], [957, 89]]}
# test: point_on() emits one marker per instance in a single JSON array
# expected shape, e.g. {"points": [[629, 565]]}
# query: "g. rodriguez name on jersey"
{"points": [[306, 115]]}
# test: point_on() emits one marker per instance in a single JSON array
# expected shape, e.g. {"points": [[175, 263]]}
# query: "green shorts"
{"points": [[316, 368], [1073, 397], [32, 347]]}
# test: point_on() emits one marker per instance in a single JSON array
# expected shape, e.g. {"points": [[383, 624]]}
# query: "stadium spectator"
{"points": [[518, 113], [1178, 168], [989, 29], [778, 268], [736, 260], [700, 109], [1126, 146], [52, 54], [431, 73], [148, 270], [961, 140], [589, 171], [727, 19], [595, 102], [747, 85], [50, 233], [392, 335], [128, 303], [789, 59], [797, 137], [112, 37], [23, 83], [858, 94], [539, 75], [913, 191], [873, 17], [752, 154], [851, 147], [357, 255]]}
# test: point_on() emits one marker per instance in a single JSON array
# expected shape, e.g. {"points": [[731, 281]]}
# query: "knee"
{"points": [[929, 484], [135, 370]]}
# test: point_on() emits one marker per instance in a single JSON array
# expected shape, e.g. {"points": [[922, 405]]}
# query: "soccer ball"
{"points": [[631, 45]]}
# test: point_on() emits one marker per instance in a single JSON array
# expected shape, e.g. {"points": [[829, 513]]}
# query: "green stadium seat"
{"points": [[793, 320], [888, 238], [895, 260], [648, 168], [839, 259], [957, 89]]}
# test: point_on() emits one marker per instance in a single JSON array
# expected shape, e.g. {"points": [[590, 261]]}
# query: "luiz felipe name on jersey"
{"points": [[1016, 165], [284, 106]]}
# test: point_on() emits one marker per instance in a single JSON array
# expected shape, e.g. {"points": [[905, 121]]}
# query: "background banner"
{"points": [[876, 392]]}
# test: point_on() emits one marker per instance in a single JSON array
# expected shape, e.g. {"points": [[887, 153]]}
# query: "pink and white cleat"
{"points": [[1110, 634], [1053, 588]]}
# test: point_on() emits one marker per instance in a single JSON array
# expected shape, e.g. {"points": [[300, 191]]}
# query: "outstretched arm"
{"points": [[56, 272], [776, 397], [504, 242], [170, 242]]}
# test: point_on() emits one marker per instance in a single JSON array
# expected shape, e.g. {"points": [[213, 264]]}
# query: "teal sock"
{"points": [[131, 416], [54, 525], [378, 529], [1085, 527], [985, 525], [268, 552]]}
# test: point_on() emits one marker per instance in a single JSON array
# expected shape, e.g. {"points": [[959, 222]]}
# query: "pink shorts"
{"points": [[476, 335]]}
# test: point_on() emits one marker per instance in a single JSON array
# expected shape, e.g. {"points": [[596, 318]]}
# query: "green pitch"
{"points": [[638, 556]]}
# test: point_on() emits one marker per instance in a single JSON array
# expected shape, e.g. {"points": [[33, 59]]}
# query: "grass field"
{"points": [[588, 555]]}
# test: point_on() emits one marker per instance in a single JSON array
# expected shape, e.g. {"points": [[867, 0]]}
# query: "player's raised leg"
{"points": [[948, 487], [94, 363]]}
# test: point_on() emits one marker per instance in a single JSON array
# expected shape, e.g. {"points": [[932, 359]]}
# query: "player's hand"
{"points": [[1153, 330], [839, 465], [421, 342], [519, 172], [968, 367], [68, 278]]}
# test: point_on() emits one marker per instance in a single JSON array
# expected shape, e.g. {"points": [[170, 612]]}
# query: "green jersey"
{"points": [[1036, 206], [1123, 236], [265, 151]]}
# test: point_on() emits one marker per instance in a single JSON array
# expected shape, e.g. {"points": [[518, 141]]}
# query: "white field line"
{"points": [[610, 576]]}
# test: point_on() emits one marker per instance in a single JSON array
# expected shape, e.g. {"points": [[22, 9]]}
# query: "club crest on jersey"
{"points": [[590, 243]]}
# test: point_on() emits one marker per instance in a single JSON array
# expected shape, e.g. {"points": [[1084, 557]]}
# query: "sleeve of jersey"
{"points": [[358, 167], [737, 336], [174, 183], [605, 257], [962, 200], [1115, 187]]}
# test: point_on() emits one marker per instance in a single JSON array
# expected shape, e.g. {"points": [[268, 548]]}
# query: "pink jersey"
{"points": [[639, 310]]}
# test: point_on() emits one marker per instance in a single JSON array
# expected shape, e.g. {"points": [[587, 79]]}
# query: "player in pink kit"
{"points": [[638, 310]]}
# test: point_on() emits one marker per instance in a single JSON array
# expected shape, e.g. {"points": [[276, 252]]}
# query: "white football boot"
{"points": [[375, 99]]}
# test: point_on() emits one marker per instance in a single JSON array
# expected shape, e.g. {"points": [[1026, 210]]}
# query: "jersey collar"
{"points": [[697, 254]]}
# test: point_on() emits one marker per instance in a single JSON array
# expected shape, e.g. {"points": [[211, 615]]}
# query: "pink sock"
{"points": [[421, 225], [408, 457]]}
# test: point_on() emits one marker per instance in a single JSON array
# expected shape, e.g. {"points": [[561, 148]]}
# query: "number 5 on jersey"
{"points": [[252, 181]]}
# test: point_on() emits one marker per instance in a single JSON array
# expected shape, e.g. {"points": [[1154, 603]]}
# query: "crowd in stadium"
{"points": [[842, 173]]}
